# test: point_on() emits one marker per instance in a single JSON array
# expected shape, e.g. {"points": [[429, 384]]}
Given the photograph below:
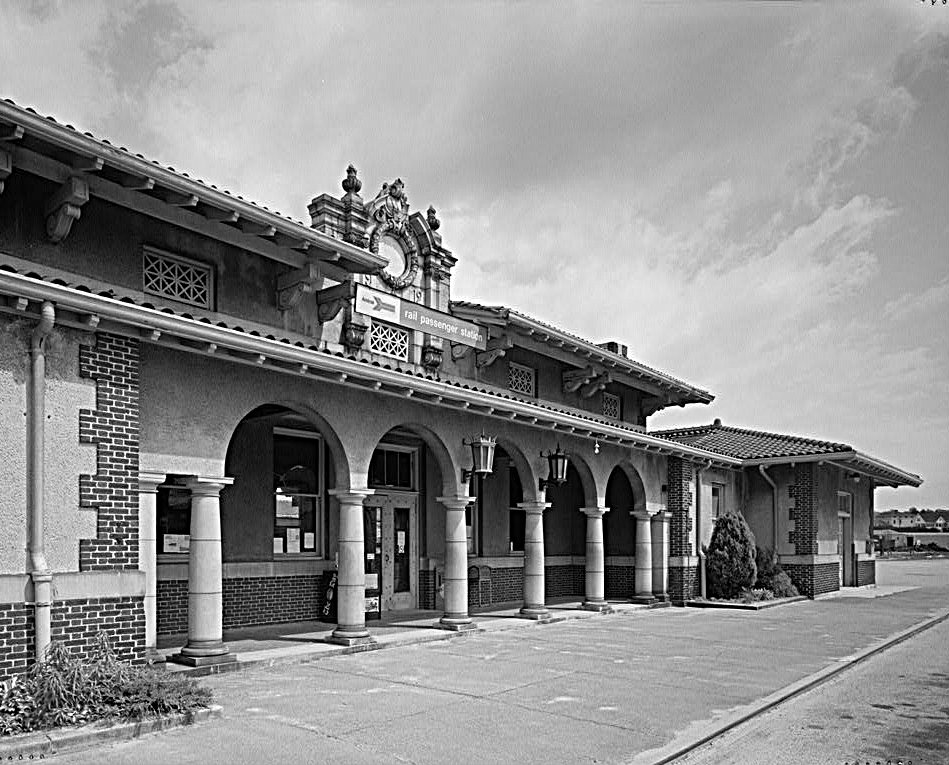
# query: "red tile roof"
{"points": [[750, 444]]}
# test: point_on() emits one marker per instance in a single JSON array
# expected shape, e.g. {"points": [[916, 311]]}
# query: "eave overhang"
{"points": [[678, 392], [87, 311], [57, 152], [853, 461]]}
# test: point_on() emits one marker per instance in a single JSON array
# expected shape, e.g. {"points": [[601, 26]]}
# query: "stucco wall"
{"points": [[65, 457]]}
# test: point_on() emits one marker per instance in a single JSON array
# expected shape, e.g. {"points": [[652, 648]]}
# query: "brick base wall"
{"points": [[683, 583], [16, 638], [271, 600], [620, 581], [507, 585], [172, 606], [814, 580], [563, 581], [426, 589], [866, 572], [75, 623]]}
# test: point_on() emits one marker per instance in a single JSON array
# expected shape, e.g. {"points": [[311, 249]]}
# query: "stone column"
{"points": [[595, 561], [534, 597], [205, 582], [351, 578], [148, 484], [643, 580], [660, 554], [456, 565]]}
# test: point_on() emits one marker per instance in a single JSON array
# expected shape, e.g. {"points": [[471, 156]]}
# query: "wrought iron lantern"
{"points": [[482, 456], [557, 462]]}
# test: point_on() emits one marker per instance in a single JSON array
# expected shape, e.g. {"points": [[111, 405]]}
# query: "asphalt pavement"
{"points": [[634, 687]]}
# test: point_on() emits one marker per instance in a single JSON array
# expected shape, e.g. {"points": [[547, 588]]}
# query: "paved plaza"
{"points": [[633, 687]]}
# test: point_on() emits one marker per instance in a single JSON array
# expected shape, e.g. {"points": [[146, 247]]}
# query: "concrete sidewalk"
{"points": [[307, 641], [638, 686]]}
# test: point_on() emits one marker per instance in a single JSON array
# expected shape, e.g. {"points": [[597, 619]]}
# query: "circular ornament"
{"points": [[389, 240]]}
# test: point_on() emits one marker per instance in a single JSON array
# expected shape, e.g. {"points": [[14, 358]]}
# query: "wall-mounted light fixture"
{"points": [[596, 446], [482, 456], [557, 462]]}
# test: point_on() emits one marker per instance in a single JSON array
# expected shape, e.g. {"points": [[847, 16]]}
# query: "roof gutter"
{"points": [[899, 477], [262, 349]]}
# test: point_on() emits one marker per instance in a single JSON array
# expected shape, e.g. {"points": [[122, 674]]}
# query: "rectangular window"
{"points": [[612, 406], [521, 379], [393, 467], [389, 340], [174, 520], [844, 503], [718, 500], [177, 278], [298, 500], [516, 516]]}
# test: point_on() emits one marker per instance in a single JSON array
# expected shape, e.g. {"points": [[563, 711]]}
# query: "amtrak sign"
{"points": [[380, 305]]}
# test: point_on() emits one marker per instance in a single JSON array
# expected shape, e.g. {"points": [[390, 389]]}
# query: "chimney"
{"points": [[613, 347]]}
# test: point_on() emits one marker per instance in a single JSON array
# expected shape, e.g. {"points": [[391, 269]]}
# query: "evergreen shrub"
{"points": [[730, 561]]}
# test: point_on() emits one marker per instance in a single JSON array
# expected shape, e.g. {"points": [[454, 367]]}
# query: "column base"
{"points": [[455, 624], [662, 597], [596, 605], [537, 613], [646, 600], [350, 637], [207, 660]]}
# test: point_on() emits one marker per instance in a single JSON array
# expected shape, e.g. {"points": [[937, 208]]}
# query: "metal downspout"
{"points": [[698, 528], [40, 574], [774, 509]]}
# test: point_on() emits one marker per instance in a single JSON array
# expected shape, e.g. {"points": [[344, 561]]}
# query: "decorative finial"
{"points": [[433, 222], [351, 184]]}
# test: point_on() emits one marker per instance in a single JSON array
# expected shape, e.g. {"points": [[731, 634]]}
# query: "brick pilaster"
{"points": [[805, 509], [114, 427], [678, 503]]}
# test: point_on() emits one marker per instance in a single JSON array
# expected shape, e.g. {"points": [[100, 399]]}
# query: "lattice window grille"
{"points": [[178, 279], [611, 406], [389, 340], [520, 379]]}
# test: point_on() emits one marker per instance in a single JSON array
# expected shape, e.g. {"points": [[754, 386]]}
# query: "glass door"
{"points": [[400, 552]]}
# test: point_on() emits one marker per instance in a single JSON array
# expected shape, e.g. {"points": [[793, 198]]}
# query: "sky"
{"points": [[752, 196]]}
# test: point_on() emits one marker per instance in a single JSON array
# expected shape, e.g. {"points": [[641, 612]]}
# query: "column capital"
{"points": [[534, 508], [662, 516], [594, 512], [455, 503], [642, 515], [351, 496], [207, 486], [148, 483]]}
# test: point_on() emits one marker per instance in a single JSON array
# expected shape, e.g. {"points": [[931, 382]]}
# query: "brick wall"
{"points": [[683, 583], [426, 589], [805, 510], [172, 606], [76, 623], [812, 580], [866, 572], [620, 581], [507, 585], [563, 581], [679, 503], [16, 638], [247, 601], [271, 600], [114, 427]]}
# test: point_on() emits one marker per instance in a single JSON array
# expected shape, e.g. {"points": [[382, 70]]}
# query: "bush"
{"points": [[783, 587], [767, 564], [730, 562], [67, 690], [756, 594]]}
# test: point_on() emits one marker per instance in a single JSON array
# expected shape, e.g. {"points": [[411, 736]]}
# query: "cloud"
{"points": [[929, 301]]}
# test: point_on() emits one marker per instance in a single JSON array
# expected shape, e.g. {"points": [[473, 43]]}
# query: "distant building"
{"points": [[214, 414]]}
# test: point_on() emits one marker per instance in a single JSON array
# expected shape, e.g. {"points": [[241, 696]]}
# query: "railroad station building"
{"points": [[210, 409]]}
